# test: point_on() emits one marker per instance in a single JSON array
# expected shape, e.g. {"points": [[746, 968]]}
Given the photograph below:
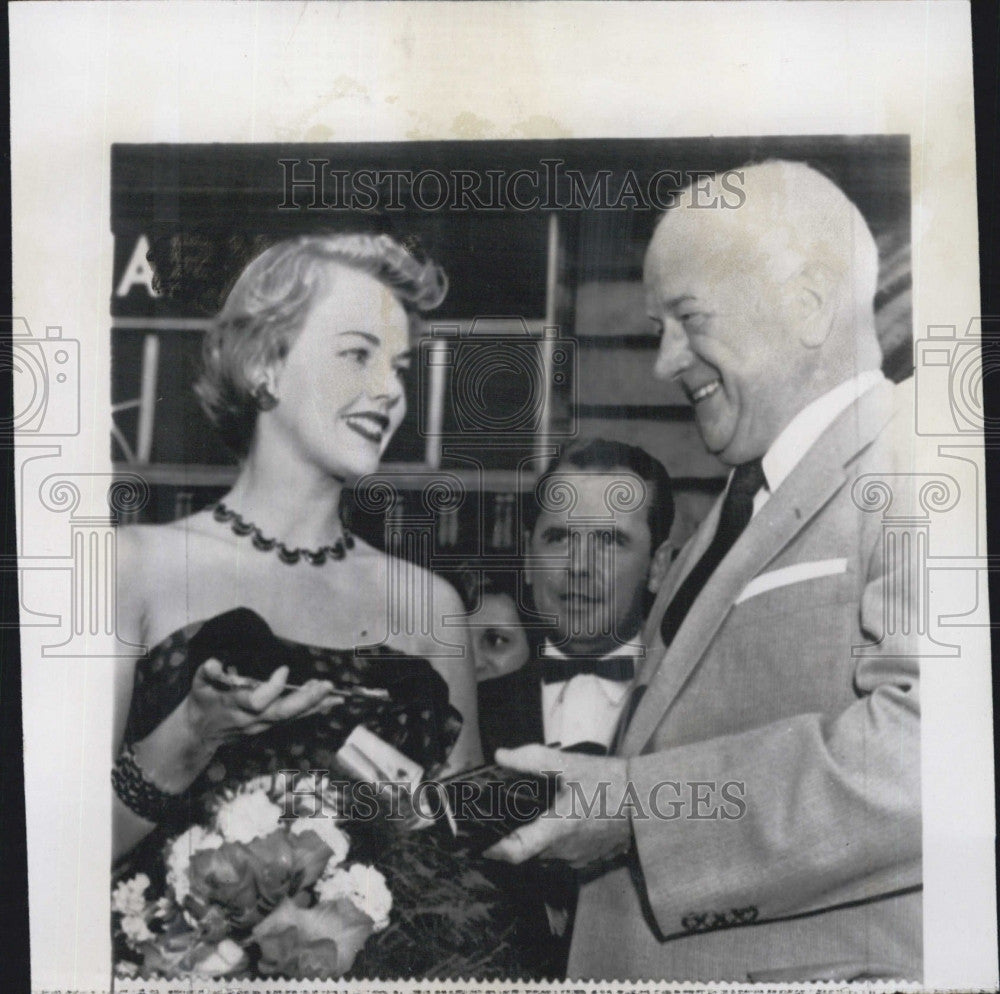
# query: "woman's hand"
{"points": [[214, 712], [217, 712]]}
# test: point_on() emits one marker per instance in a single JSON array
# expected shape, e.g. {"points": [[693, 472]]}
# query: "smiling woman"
{"points": [[338, 297], [274, 632]]}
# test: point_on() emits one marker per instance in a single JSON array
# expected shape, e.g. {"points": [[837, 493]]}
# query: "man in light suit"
{"points": [[775, 662]]}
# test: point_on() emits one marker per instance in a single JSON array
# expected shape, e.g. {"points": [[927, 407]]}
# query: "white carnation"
{"points": [[247, 817], [326, 829], [127, 898], [136, 930], [364, 886], [308, 794], [226, 957], [179, 854]]}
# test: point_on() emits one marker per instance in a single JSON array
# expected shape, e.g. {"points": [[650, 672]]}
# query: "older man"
{"points": [[773, 672]]}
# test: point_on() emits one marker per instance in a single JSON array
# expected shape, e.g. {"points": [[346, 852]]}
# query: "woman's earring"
{"points": [[263, 398]]}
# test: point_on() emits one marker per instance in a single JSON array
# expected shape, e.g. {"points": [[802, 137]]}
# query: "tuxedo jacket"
{"points": [[510, 710], [510, 715], [788, 679]]}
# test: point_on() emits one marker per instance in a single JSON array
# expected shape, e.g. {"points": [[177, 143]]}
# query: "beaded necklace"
{"points": [[316, 557]]}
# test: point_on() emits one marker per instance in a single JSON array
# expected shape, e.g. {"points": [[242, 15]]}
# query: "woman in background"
{"points": [[500, 642]]}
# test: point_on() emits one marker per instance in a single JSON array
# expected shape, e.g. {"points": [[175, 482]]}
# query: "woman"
{"points": [[500, 641], [303, 377]]}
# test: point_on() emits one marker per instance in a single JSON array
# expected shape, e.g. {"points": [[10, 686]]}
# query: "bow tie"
{"points": [[557, 669]]}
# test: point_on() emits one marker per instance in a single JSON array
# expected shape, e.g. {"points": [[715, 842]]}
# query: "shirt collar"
{"points": [[805, 428], [633, 648]]}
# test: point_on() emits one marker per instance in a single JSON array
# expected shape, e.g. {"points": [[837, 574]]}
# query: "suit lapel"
{"points": [[810, 486]]}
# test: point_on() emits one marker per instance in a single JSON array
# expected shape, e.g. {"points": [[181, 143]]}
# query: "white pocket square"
{"points": [[791, 574]]}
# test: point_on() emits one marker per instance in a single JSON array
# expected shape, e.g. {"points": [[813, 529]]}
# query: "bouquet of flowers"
{"points": [[254, 893]]}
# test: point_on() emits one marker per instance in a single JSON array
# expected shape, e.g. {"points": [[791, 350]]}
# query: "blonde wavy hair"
{"points": [[264, 311]]}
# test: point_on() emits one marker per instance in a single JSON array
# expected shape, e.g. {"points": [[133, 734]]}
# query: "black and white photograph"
{"points": [[532, 358], [526, 554]]}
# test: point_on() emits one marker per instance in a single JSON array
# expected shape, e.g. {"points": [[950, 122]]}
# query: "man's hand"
{"points": [[568, 830]]}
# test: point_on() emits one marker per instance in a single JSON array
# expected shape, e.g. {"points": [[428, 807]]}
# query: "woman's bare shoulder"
{"points": [[422, 583], [161, 567], [160, 547], [137, 538]]}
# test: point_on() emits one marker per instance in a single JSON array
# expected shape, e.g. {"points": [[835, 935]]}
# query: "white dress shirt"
{"points": [[805, 428], [585, 708]]}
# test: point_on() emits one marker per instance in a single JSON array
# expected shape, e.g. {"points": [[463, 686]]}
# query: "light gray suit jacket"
{"points": [[763, 685]]}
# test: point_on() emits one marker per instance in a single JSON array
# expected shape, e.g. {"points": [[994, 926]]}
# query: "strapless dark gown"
{"points": [[450, 917]]}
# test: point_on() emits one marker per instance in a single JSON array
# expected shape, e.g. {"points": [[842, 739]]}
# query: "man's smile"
{"points": [[703, 392]]}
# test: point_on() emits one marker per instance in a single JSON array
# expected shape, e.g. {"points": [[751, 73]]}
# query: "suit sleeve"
{"points": [[831, 802]]}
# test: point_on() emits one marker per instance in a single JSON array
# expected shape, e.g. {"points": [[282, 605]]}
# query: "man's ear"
{"points": [[810, 300], [658, 566]]}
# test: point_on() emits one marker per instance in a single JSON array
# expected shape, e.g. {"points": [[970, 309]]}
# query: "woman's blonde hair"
{"points": [[264, 311]]}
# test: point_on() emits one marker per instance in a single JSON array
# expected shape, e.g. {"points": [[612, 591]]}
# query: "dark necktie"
{"points": [[737, 510]]}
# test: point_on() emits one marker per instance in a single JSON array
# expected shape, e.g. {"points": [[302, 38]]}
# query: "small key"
{"points": [[235, 682]]}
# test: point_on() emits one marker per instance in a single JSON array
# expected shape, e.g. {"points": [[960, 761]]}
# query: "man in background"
{"points": [[597, 526]]}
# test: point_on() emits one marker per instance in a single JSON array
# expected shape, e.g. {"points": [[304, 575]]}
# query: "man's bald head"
{"points": [[763, 307], [790, 216]]}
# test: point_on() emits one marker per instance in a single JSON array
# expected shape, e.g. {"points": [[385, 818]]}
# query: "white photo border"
{"points": [[87, 75]]}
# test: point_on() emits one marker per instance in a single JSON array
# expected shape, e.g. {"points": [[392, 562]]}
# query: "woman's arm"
{"points": [[457, 666], [170, 757], [127, 828], [173, 755]]}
